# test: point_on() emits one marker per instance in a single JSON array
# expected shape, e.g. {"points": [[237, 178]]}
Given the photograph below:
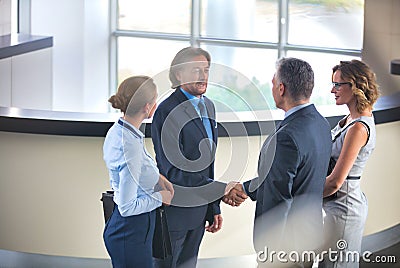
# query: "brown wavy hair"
{"points": [[133, 94], [363, 82]]}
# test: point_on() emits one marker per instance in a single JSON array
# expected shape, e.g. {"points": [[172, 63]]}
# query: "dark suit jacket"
{"points": [[186, 158], [291, 174]]}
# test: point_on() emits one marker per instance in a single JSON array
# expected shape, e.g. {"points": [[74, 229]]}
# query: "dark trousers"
{"points": [[185, 249], [129, 239]]}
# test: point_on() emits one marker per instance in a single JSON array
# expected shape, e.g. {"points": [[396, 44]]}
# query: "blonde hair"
{"points": [[133, 94], [363, 82]]}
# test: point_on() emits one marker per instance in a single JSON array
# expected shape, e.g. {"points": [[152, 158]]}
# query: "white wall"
{"points": [[31, 80], [26, 80], [382, 41], [5, 82], [80, 52], [96, 56], [5, 17]]}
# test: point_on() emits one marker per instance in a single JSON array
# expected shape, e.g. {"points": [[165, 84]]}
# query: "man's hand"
{"points": [[216, 226], [234, 194]]}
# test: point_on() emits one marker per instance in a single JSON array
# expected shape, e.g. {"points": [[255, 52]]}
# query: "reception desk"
{"points": [[53, 174]]}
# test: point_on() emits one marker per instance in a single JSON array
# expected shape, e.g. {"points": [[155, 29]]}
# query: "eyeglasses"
{"points": [[337, 85]]}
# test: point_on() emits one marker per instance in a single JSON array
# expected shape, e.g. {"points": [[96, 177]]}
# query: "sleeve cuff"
{"points": [[158, 197]]}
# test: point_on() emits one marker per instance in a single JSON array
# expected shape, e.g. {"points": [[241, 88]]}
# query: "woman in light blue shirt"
{"points": [[128, 234]]}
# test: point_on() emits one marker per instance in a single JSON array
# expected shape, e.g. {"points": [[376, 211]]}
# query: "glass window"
{"points": [[172, 16], [241, 78], [334, 24], [244, 38], [141, 56], [242, 20]]}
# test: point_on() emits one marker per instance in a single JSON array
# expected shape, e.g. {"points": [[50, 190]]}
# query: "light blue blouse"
{"points": [[133, 173]]}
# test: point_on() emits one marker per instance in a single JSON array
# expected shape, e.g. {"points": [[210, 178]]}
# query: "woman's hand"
{"points": [[167, 190], [166, 197]]}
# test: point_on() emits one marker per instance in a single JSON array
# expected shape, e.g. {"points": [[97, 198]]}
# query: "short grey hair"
{"points": [[297, 76]]}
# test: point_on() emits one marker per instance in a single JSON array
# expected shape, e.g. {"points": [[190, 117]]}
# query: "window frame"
{"points": [[196, 40]]}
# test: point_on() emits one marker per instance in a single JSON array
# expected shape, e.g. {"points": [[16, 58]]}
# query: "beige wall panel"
{"points": [[50, 190]]}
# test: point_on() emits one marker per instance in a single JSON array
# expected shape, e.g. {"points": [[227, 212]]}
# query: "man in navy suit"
{"points": [[184, 134], [291, 173]]}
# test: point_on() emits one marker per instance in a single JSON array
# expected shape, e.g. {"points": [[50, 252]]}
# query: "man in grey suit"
{"points": [[291, 173]]}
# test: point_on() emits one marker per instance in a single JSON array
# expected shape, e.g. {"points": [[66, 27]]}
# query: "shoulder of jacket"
{"points": [[171, 100]]}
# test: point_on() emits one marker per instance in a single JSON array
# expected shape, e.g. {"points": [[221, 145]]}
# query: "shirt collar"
{"points": [[193, 99], [296, 108], [130, 127]]}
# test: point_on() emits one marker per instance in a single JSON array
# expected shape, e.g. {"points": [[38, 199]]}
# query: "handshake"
{"points": [[234, 194]]}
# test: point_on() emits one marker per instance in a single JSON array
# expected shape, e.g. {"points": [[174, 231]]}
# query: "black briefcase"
{"points": [[108, 204], [161, 240]]}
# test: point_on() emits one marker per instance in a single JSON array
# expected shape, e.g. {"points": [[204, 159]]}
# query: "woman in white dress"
{"points": [[353, 140]]}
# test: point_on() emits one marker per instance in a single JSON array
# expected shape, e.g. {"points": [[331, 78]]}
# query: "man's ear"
{"points": [[178, 75], [282, 89]]}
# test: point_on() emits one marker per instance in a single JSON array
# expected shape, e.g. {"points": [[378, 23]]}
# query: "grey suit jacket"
{"points": [[291, 174]]}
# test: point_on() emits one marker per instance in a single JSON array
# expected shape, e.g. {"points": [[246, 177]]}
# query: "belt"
{"points": [[331, 197], [353, 177], [334, 195]]}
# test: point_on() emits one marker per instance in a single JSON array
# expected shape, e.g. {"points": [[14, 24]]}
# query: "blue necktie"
{"points": [[205, 119]]}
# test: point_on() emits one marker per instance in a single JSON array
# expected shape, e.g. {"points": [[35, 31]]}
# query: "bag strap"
{"points": [[352, 123]]}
